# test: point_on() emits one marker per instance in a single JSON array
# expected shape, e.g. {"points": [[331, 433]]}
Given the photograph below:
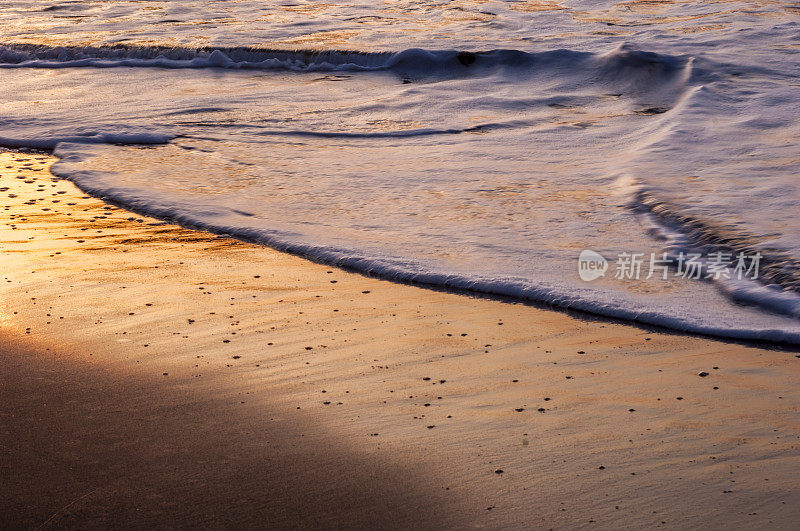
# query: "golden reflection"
{"points": [[322, 38], [308, 9], [106, 22], [531, 6]]}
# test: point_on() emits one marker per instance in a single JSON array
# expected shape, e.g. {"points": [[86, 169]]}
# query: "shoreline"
{"points": [[456, 284], [436, 389]]}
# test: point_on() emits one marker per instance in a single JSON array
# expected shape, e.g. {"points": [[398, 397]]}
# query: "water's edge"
{"points": [[537, 296]]}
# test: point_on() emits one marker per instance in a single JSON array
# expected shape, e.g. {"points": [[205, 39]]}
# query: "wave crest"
{"points": [[415, 61]]}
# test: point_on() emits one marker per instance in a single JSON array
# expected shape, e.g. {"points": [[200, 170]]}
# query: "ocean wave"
{"points": [[49, 142], [777, 288], [401, 133], [624, 60]]}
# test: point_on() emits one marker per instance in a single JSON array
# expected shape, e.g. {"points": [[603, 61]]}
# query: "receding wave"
{"points": [[218, 218], [778, 267], [777, 288]]}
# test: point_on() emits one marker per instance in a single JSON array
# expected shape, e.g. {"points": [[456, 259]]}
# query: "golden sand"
{"points": [[154, 375]]}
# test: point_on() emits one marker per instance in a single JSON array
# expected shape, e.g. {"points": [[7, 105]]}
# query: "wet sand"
{"points": [[154, 375]]}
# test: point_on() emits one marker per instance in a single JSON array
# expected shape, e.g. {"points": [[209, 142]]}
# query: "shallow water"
{"points": [[480, 145]]}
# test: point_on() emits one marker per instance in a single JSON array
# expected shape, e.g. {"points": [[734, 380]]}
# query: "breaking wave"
{"points": [[624, 60]]}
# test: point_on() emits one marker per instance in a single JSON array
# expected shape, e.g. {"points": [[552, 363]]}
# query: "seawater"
{"points": [[466, 144]]}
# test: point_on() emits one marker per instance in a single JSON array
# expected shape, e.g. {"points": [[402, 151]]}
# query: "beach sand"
{"points": [[155, 375]]}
